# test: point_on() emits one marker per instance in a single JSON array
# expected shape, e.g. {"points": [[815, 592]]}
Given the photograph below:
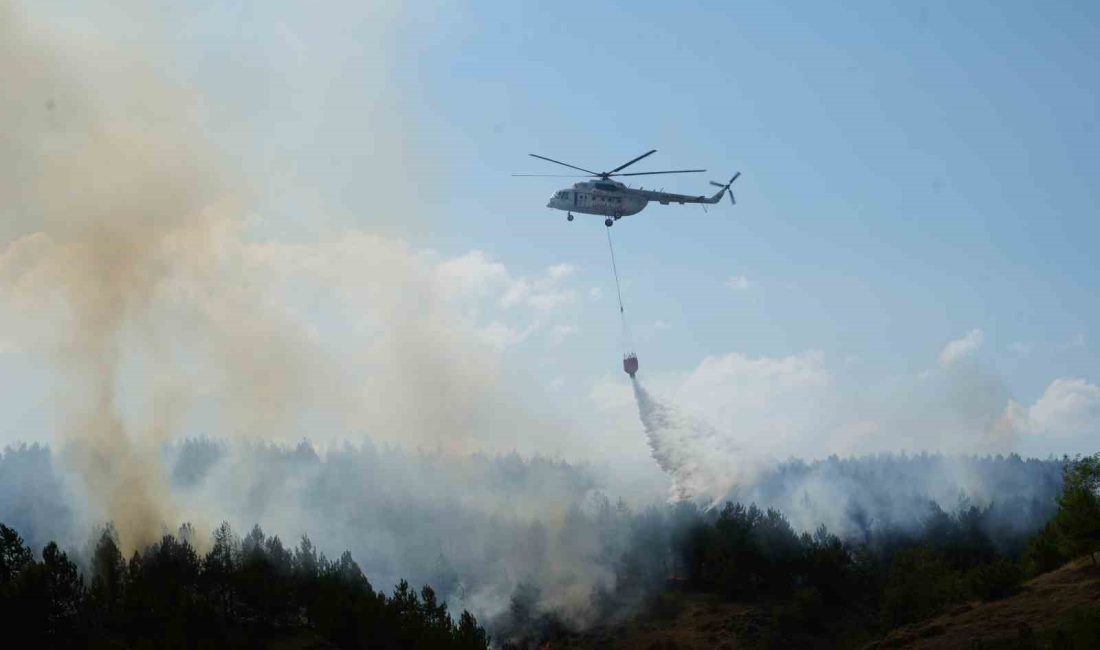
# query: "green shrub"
{"points": [[1043, 552], [920, 585], [994, 580], [1077, 628], [1078, 517]]}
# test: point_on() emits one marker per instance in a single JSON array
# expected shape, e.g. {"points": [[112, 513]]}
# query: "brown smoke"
{"points": [[124, 258], [111, 227]]}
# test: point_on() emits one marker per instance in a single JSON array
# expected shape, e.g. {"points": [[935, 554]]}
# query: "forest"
{"points": [[483, 535], [818, 590], [250, 592]]}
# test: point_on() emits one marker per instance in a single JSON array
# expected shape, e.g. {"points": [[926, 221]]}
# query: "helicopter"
{"points": [[614, 200]]}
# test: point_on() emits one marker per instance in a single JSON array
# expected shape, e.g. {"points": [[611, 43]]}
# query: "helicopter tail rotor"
{"points": [[726, 187]]}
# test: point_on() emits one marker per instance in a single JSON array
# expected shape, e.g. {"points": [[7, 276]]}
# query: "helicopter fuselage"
{"points": [[614, 199], [605, 198]]}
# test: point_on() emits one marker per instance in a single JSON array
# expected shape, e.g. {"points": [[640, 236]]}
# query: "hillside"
{"points": [[1028, 619], [1041, 605], [696, 621]]}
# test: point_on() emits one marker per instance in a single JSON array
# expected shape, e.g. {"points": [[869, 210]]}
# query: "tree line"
{"points": [[819, 585], [246, 592], [818, 589], [894, 557]]}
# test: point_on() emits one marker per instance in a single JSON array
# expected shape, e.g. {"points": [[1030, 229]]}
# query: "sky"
{"points": [[912, 249]]}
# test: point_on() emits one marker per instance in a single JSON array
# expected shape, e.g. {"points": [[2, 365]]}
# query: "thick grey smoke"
{"points": [[856, 498], [852, 497], [126, 263], [485, 529], [475, 527], [95, 202]]}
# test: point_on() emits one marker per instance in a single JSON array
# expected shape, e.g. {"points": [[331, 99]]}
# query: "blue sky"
{"points": [[911, 172], [908, 173]]}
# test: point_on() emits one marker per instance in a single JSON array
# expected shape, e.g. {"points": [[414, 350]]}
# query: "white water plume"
{"points": [[690, 451]]}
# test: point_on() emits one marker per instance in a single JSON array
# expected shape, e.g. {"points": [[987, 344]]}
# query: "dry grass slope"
{"points": [[700, 621], [1042, 601]]}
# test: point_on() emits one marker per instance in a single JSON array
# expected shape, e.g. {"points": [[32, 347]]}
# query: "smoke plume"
{"points": [[98, 203], [487, 530], [130, 263], [123, 264]]}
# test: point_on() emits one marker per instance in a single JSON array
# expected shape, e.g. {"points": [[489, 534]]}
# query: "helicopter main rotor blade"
{"points": [[587, 171], [624, 166], [674, 171], [556, 175]]}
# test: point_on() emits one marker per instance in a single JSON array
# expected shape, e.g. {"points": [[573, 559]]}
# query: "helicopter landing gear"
{"points": [[569, 216], [608, 222]]}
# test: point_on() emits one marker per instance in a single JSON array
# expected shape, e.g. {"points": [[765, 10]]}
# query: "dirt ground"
{"points": [[702, 622]]}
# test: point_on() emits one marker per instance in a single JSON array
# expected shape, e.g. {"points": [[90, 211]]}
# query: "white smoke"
{"points": [[735, 416], [130, 265]]}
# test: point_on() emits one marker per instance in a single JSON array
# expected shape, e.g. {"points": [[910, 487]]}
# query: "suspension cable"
{"points": [[614, 268]]}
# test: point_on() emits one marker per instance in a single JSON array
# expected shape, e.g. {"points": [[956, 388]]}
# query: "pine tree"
{"points": [[219, 566], [1078, 517], [14, 555], [469, 634], [108, 572], [65, 588]]}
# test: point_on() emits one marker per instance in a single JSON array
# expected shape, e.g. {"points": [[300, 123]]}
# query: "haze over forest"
{"points": [[261, 265]]}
